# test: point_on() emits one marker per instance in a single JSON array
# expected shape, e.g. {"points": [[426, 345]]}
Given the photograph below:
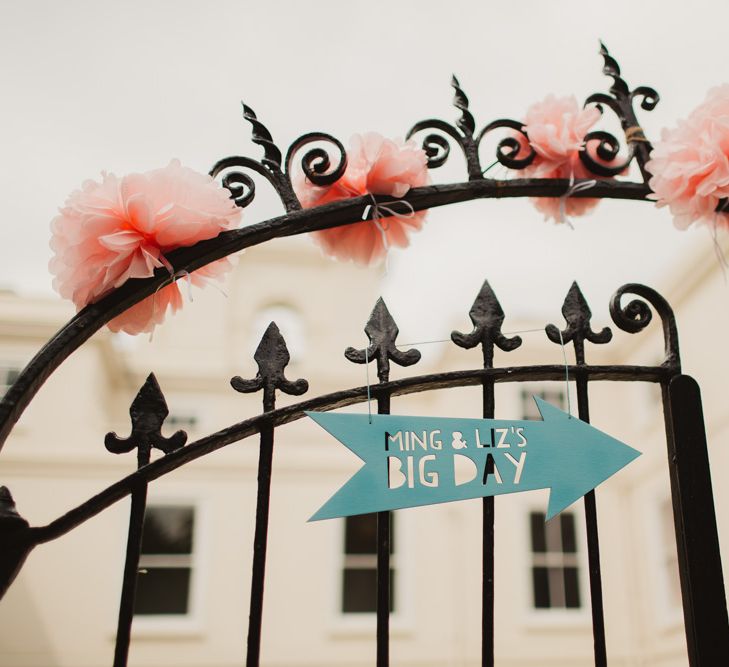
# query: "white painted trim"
{"points": [[552, 619], [191, 624], [359, 625], [669, 615]]}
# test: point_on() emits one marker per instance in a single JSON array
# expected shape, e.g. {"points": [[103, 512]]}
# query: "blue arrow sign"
{"points": [[413, 461]]}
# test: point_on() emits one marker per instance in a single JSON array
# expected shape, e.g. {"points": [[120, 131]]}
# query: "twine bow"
{"points": [[377, 212], [171, 279], [573, 189], [374, 212]]}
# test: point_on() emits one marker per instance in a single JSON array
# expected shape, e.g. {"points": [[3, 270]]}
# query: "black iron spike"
{"points": [[382, 332], [148, 412], [611, 68], [272, 357], [261, 136], [466, 122], [624, 95], [577, 315], [620, 101], [487, 317]]}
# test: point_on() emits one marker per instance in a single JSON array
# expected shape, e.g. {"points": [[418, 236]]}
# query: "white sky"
{"points": [[91, 86]]}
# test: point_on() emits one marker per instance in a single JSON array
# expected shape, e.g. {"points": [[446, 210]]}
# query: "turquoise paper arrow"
{"points": [[412, 461]]}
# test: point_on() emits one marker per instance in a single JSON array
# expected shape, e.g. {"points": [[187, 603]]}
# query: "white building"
{"points": [[61, 611]]}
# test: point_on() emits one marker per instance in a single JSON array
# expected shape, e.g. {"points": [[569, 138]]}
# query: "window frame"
{"points": [[368, 561], [362, 624], [577, 618], [155, 626], [670, 611], [545, 393], [553, 559], [7, 367]]}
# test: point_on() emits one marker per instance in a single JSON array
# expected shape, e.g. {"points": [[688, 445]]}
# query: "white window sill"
{"points": [[363, 625], [155, 628], [568, 620]]}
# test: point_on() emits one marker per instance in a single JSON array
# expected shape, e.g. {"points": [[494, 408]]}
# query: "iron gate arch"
{"points": [[704, 602]]}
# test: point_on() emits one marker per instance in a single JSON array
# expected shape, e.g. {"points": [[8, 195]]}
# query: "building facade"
{"points": [[192, 607]]}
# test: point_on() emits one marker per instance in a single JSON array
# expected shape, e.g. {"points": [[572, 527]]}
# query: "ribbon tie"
{"points": [[573, 188]]}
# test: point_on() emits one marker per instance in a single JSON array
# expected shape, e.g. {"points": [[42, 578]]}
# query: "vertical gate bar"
{"points": [[272, 357], [260, 538], [382, 331], [593, 544], [487, 317], [577, 315], [697, 541], [131, 565], [383, 569], [148, 412], [487, 591]]}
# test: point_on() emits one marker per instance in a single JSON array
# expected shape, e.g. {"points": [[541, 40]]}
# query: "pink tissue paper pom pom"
{"points": [[121, 228], [556, 127], [376, 166], [690, 164]]}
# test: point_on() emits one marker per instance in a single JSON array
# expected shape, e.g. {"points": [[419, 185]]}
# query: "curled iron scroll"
{"points": [[316, 162], [637, 315], [513, 151], [437, 147], [241, 186]]}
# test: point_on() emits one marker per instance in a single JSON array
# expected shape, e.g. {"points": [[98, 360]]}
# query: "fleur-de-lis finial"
{"points": [[577, 314], [272, 357], [148, 412], [487, 317], [382, 332]]}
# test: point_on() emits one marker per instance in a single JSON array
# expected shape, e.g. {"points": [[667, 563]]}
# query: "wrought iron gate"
{"points": [[704, 601]]}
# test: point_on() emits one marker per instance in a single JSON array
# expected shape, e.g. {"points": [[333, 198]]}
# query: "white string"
{"points": [[448, 340], [493, 164], [423, 342], [573, 188], [367, 370], [170, 280], [566, 374], [378, 219], [723, 264], [174, 277]]}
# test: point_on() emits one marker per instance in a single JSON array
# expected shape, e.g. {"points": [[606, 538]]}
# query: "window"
{"points": [[182, 420], [8, 375], [165, 562], [359, 574], [529, 408], [555, 572]]}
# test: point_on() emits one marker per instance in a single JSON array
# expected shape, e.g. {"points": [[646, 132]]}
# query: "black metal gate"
{"points": [[704, 602]]}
